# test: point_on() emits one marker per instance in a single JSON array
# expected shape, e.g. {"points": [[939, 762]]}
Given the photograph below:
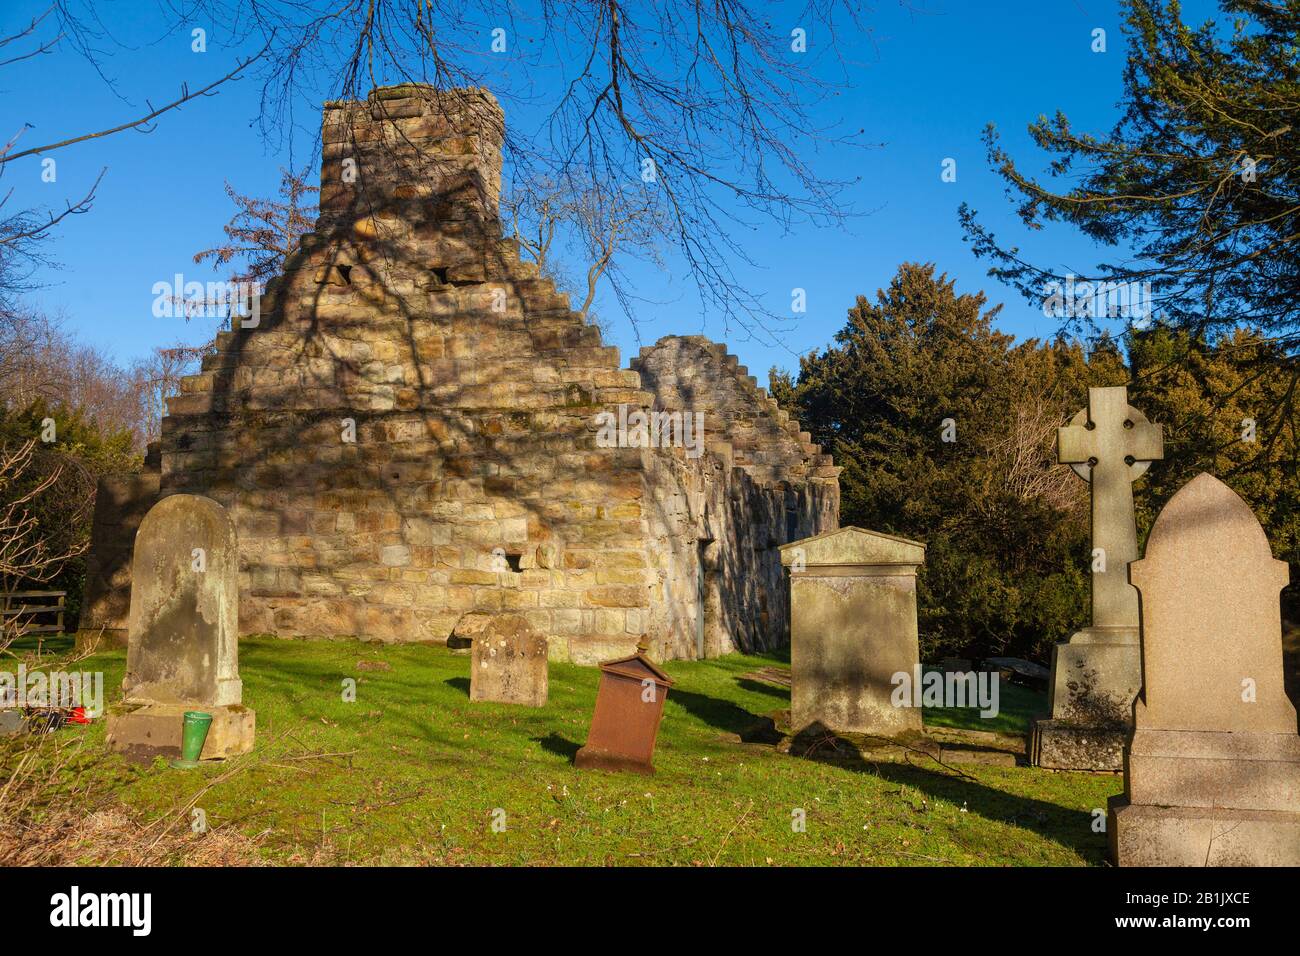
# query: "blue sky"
{"points": [[926, 79]]}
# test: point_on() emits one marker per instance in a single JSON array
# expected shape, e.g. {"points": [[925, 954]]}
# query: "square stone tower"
{"points": [[415, 170]]}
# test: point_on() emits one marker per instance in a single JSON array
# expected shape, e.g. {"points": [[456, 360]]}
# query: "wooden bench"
{"points": [[21, 615]]}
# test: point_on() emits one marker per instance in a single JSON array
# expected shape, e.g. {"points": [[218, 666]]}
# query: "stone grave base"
{"points": [[155, 730], [592, 758], [945, 745], [1210, 769], [1096, 675], [1061, 745], [1196, 836]]}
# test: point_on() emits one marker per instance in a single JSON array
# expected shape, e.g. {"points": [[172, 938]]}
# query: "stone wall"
{"points": [[408, 434], [761, 484], [121, 502]]}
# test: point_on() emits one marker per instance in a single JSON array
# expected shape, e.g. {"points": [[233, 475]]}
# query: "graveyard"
{"points": [[411, 774], [440, 513]]}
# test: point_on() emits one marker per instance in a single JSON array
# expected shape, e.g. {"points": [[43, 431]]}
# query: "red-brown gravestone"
{"points": [[1212, 773], [629, 706]]}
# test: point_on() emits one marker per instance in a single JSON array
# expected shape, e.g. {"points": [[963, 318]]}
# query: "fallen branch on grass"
{"points": [[723, 845]]}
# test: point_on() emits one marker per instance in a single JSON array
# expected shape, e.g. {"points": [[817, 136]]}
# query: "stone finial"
{"points": [[1211, 621]]}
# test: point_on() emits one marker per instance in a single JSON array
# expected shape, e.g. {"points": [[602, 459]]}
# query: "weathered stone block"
{"points": [[183, 651], [184, 607], [509, 663], [154, 730]]}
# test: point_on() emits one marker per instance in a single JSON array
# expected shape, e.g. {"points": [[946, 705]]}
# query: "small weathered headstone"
{"points": [[1212, 774], [508, 663], [183, 646], [11, 721], [853, 628], [1097, 673]]}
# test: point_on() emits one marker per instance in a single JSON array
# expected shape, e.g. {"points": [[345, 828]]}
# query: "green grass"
{"points": [[1017, 705], [422, 770]]}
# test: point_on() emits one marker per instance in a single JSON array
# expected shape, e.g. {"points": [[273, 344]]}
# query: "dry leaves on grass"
{"points": [[113, 837], [55, 811], [50, 816]]}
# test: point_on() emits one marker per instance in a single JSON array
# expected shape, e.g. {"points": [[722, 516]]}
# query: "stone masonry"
{"points": [[121, 502], [408, 434]]}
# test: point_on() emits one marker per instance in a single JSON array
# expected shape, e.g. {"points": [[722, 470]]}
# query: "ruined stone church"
{"points": [[407, 435]]}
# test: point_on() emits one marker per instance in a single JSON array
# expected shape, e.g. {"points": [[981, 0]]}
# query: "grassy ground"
{"points": [[1016, 706], [413, 773]]}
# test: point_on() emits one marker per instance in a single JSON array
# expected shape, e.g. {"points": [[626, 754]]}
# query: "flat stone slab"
{"points": [[972, 755], [154, 730], [981, 747], [769, 675], [1028, 670], [1193, 836], [944, 744], [11, 722]]}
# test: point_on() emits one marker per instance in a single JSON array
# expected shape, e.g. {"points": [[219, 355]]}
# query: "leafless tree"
{"points": [[605, 226], [76, 26], [157, 377], [34, 483], [1023, 459], [24, 335], [39, 361], [263, 232], [27, 557], [707, 108]]}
